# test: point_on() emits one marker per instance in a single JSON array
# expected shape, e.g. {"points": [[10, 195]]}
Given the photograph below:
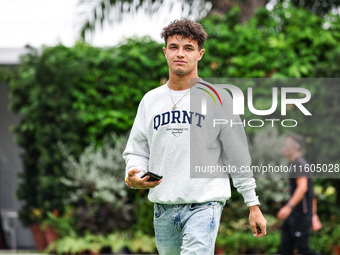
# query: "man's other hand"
{"points": [[284, 212], [257, 222]]}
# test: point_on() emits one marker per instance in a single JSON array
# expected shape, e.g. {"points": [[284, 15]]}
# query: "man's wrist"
{"points": [[254, 208], [290, 205]]}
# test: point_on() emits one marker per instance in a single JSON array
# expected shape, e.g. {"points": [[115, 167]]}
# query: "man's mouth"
{"points": [[180, 62]]}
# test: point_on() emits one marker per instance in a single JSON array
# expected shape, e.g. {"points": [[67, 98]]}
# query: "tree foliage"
{"points": [[320, 7], [285, 43], [95, 13]]}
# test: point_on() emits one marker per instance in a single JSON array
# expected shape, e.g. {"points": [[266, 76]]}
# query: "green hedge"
{"points": [[76, 96], [241, 242], [286, 42]]}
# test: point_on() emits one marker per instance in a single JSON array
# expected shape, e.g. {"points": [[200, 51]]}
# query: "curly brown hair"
{"points": [[187, 29]]}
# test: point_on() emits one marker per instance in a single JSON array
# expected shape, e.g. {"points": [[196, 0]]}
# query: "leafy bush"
{"points": [[98, 191], [65, 224], [97, 173], [101, 218], [240, 242], [236, 238], [114, 242]]}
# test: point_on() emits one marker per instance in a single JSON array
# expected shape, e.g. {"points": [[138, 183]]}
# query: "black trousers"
{"points": [[296, 230]]}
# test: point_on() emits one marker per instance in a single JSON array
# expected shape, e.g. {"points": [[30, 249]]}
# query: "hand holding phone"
{"points": [[153, 176], [134, 181]]}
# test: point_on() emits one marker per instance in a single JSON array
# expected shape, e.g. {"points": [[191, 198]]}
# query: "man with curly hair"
{"points": [[187, 210]]}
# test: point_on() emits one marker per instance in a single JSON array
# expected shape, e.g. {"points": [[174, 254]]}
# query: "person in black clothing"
{"points": [[298, 212]]}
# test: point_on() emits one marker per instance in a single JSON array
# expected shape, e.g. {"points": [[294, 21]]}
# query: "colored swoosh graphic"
{"points": [[210, 87], [208, 93]]}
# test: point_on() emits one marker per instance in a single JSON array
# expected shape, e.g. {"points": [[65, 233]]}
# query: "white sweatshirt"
{"points": [[160, 142]]}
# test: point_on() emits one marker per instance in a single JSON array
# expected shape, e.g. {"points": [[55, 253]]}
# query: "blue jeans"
{"points": [[187, 228]]}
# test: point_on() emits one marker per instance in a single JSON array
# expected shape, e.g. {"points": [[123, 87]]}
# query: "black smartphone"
{"points": [[153, 176], [259, 230]]}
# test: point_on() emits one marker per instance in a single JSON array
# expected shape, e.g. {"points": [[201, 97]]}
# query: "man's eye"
{"points": [[189, 48], [173, 47]]}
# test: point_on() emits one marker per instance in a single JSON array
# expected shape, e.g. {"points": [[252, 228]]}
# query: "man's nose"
{"points": [[180, 53]]}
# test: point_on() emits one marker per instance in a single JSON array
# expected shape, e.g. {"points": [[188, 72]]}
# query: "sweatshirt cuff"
{"points": [[250, 197]]}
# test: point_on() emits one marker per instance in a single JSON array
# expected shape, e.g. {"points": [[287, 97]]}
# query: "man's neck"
{"points": [[177, 82], [295, 156]]}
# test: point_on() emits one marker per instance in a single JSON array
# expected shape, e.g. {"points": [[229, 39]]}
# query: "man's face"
{"points": [[182, 55], [289, 147]]}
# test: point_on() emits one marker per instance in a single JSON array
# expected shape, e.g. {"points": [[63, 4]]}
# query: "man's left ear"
{"points": [[201, 54]]}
